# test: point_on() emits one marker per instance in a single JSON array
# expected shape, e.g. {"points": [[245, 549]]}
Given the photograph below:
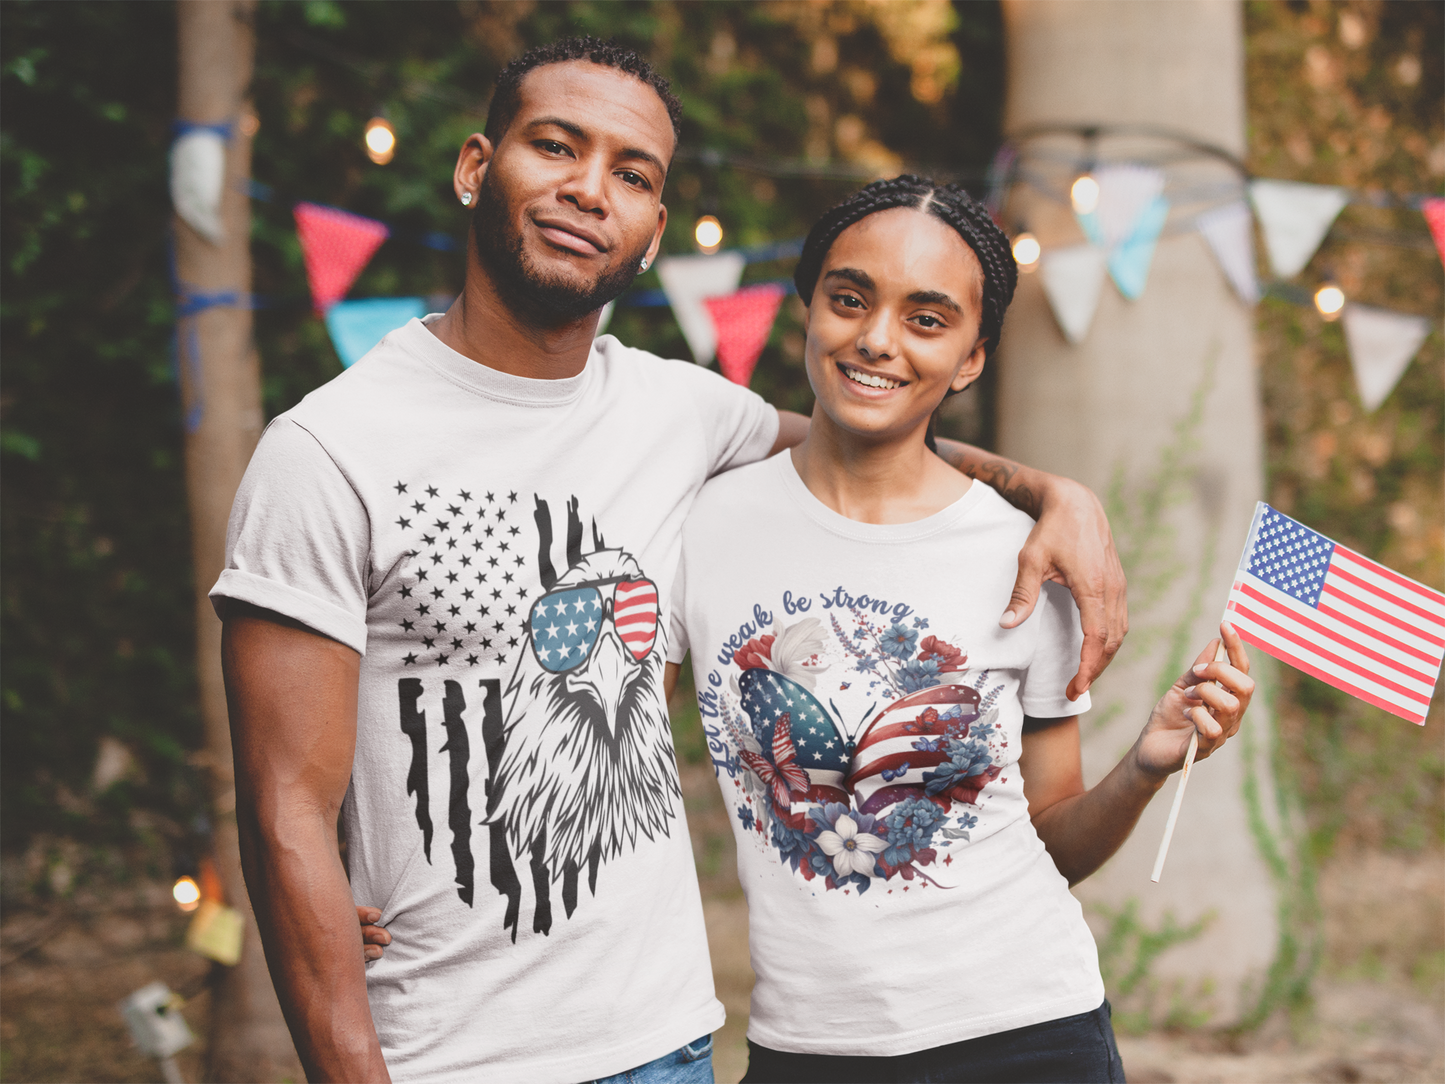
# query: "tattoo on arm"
{"points": [[1000, 473]]}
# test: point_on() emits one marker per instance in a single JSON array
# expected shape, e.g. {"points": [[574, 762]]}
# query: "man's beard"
{"points": [[536, 297]]}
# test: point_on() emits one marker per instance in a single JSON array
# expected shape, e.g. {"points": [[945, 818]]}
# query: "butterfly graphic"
{"points": [[782, 774], [879, 762]]}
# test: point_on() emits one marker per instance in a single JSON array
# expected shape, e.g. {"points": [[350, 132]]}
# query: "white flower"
{"points": [[852, 851], [793, 649]]}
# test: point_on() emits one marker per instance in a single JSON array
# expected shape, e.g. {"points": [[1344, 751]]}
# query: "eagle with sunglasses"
{"points": [[586, 764]]}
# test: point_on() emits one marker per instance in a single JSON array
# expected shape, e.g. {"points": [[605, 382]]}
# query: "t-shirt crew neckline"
{"points": [[829, 520], [417, 339]]}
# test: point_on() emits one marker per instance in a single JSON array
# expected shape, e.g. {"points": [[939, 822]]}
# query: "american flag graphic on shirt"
{"points": [[1340, 617]]}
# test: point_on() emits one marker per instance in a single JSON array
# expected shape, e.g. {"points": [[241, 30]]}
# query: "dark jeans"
{"points": [[1068, 1051]]}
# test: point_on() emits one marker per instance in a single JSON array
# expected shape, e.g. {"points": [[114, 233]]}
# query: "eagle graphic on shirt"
{"points": [[579, 758]]}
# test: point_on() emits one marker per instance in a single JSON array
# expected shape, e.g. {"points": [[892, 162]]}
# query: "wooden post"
{"points": [[221, 392]]}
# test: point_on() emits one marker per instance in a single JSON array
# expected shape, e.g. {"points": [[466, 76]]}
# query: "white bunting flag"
{"points": [[1382, 345], [1072, 278], [687, 281], [198, 174], [1124, 192], [1230, 233], [1295, 218]]}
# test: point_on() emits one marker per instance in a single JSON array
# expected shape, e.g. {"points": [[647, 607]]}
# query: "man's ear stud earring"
{"points": [[466, 199], [643, 266]]}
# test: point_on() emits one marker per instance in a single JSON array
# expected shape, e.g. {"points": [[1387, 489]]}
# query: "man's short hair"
{"points": [[507, 97]]}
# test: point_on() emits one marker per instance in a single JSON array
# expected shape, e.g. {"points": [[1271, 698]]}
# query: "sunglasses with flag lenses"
{"points": [[566, 623]]}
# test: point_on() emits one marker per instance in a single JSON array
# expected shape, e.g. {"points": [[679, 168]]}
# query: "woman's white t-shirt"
{"points": [[863, 711]]}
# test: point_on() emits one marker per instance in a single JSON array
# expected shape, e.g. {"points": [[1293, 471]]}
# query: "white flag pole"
{"points": [[1220, 655]]}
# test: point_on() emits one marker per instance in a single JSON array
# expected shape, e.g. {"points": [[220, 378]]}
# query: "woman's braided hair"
{"points": [[948, 203]]}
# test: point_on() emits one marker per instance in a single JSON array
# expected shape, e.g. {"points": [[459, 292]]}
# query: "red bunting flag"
{"points": [[743, 321], [336, 245], [1434, 211]]}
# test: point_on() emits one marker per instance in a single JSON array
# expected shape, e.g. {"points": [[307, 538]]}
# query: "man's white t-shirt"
{"points": [[864, 710], [501, 551]]}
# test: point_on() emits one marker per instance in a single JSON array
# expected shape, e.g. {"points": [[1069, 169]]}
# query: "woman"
{"points": [[904, 775]]}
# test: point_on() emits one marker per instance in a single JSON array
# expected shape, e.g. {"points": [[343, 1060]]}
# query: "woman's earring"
{"points": [[466, 199], [643, 266]]}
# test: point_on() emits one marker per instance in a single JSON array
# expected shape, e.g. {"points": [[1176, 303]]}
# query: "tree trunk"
{"points": [[221, 394], [1160, 405]]}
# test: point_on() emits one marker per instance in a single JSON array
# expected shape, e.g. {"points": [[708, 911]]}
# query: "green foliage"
{"points": [[1127, 952], [97, 608], [1354, 94]]}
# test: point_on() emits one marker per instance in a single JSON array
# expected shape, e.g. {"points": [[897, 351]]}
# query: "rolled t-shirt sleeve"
{"points": [[1060, 637], [298, 541]]}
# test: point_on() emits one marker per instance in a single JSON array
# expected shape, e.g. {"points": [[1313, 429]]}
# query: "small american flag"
{"points": [[1338, 616]]}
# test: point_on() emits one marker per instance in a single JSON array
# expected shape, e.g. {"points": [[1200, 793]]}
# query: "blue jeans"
{"points": [[690, 1064], [1071, 1050]]}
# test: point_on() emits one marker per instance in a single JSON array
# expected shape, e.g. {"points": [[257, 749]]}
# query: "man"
{"points": [[444, 602]]}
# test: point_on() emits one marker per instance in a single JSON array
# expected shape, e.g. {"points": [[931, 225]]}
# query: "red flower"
{"points": [[950, 659], [755, 654]]}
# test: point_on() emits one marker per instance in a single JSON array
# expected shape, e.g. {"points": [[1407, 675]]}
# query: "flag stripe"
{"points": [[1431, 598], [1381, 637], [1380, 615], [1410, 695], [1379, 593], [1268, 648], [1342, 639]]}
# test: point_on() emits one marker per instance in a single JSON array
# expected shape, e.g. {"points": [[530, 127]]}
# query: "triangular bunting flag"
{"points": [[687, 280], [1230, 233], [1382, 344], [1125, 191], [1295, 218], [743, 322], [336, 245], [1072, 278], [1434, 212], [1130, 259], [198, 174], [357, 326]]}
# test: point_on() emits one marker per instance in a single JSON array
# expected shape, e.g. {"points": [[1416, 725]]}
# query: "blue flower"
{"points": [[793, 845], [967, 821], [967, 757], [918, 674], [900, 642], [911, 825], [745, 814], [920, 622]]}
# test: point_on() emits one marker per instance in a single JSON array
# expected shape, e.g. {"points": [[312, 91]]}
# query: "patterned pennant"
{"points": [[1230, 233], [687, 280], [357, 326], [1295, 218], [743, 323], [1072, 279], [1382, 345], [1129, 260], [336, 245], [1434, 212]]}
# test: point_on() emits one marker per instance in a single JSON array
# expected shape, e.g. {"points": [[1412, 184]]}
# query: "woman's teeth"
{"points": [[871, 381]]}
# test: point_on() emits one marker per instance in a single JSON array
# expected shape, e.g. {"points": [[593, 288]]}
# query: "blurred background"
{"points": [[107, 788]]}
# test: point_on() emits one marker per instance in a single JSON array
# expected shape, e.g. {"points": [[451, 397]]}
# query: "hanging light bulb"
{"points": [[380, 140], [186, 893], [708, 233], [1330, 300], [1027, 251], [1084, 195]]}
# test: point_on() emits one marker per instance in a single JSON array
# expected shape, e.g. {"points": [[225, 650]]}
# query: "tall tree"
{"points": [[221, 389]]}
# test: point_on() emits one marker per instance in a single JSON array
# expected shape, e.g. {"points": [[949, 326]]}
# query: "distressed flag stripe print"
{"points": [[634, 612], [1338, 616]]}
